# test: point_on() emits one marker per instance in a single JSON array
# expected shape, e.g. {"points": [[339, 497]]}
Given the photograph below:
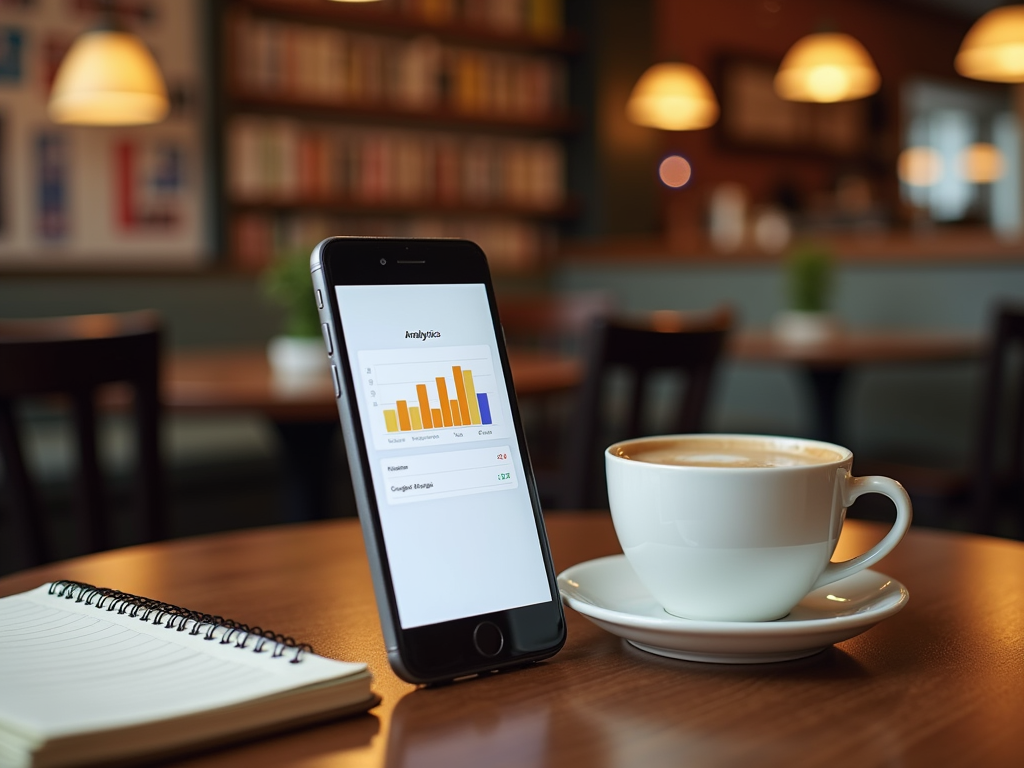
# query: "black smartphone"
{"points": [[443, 484]]}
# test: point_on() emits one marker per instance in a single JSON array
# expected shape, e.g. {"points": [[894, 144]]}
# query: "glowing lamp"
{"points": [[826, 67]]}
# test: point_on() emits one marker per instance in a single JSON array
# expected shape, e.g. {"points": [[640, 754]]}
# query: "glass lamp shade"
{"points": [[826, 67], [108, 78], [673, 97], [993, 49]]}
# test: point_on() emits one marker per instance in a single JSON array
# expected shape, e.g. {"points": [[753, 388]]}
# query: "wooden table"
{"points": [[303, 411], [826, 364], [240, 380], [939, 684]]}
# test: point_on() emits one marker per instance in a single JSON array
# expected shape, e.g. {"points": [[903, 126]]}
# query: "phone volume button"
{"points": [[336, 378], [327, 338]]}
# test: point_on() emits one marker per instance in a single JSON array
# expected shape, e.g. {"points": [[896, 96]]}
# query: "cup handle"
{"points": [[853, 488]]}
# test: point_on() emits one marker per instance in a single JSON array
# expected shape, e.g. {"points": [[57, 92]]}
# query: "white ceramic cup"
{"points": [[718, 540]]}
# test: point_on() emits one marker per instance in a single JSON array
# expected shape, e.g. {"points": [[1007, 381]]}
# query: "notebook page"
{"points": [[69, 667]]}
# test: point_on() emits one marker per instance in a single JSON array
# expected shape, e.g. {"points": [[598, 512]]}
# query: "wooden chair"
{"points": [[554, 322], [74, 357], [1000, 410], [690, 345]]}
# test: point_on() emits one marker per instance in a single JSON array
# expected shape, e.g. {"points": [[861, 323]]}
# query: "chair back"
{"points": [[1002, 407], [73, 357], [664, 342], [556, 322]]}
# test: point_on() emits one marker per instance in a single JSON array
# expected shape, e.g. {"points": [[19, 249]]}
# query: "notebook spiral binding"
{"points": [[181, 619]]}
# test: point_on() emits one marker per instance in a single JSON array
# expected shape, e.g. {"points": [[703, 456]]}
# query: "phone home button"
{"points": [[488, 639]]}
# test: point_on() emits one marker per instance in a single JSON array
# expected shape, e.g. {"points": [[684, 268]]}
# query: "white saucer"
{"points": [[608, 592]]}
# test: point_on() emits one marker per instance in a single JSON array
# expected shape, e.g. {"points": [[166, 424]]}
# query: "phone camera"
{"points": [[383, 262]]}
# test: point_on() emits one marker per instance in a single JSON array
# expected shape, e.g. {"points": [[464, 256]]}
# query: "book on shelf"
{"points": [[281, 159], [96, 676], [300, 63]]}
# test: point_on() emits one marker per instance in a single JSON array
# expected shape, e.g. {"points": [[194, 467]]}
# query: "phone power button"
{"points": [[488, 639]]}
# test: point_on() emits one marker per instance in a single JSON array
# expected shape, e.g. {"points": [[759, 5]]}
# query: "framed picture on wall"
{"points": [[755, 117]]}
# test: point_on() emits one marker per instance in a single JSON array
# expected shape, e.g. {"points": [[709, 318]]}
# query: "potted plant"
{"points": [[299, 351], [809, 283]]}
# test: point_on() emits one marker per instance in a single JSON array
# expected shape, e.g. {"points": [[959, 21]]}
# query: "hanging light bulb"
{"points": [[673, 97], [108, 77], [993, 49], [826, 67], [919, 166], [982, 163]]}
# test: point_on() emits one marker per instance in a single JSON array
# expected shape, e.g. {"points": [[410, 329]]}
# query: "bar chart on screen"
{"points": [[431, 396]]}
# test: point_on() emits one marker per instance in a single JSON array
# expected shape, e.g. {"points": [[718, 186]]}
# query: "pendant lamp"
{"points": [[993, 49], [826, 67], [108, 77], [674, 97]]}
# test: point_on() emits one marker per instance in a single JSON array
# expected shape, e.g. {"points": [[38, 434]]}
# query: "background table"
{"points": [[939, 684], [303, 411], [826, 364]]}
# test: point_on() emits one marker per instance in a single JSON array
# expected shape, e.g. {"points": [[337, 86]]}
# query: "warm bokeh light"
{"points": [[675, 171], [827, 67], [919, 166], [993, 49], [108, 78], [982, 163], [674, 97]]}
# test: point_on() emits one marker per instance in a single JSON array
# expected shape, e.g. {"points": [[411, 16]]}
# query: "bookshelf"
{"points": [[402, 118]]}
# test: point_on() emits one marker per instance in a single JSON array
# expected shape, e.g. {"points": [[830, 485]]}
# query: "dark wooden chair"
{"points": [[72, 358], [1002, 419], [687, 345], [554, 322]]}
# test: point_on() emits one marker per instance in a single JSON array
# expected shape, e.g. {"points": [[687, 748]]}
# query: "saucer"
{"points": [[608, 592]]}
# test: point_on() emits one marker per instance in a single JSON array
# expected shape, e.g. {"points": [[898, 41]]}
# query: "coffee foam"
{"points": [[726, 453]]}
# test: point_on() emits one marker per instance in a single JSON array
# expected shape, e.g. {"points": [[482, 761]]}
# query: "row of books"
{"points": [[539, 18], [512, 246], [279, 159], [323, 65]]}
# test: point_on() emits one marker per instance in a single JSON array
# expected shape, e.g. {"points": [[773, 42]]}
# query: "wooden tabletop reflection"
{"points": [[941, 683]]}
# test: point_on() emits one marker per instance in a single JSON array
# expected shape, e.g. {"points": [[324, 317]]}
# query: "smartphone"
{"points": [[446, 496]]}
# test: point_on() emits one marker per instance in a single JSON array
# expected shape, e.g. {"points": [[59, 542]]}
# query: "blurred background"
{"points": [[506, 121]]}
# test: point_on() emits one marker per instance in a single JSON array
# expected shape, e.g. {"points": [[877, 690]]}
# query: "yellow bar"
{"points": [[446, 409], [455, 413], [391, 420], [421, 395], [435, 416], [403, 415], [414, 417], [460, 392], [474, 405]]}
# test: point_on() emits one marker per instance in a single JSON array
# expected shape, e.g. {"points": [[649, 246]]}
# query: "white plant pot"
{"points": [[296, 356], [799, 327]]}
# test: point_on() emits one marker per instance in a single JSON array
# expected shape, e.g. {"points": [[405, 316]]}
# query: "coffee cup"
{"points": [[738, 527]]}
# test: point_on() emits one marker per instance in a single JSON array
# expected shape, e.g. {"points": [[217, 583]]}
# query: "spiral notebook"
{"points": [[90, 675]]}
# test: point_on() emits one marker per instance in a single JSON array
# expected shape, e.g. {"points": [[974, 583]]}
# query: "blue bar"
{"points": [[485, 409]]}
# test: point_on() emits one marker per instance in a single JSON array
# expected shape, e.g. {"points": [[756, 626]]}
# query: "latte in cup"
{"points": [[727, 453], [738, 527]]}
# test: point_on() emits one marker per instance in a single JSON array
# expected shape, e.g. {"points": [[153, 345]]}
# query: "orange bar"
{"points": [[446, 409], [435, 415], [421, 394], [455, 413], [460, 391], [403, 416]]}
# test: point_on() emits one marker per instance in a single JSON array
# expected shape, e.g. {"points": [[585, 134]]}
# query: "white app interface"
{"points": [[455, 511]]}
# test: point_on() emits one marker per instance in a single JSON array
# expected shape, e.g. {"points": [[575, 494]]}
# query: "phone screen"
{"points": [[455, 510]]}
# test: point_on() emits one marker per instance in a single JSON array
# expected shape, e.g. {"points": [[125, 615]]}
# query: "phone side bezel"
{"points": [[357, 261]]}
